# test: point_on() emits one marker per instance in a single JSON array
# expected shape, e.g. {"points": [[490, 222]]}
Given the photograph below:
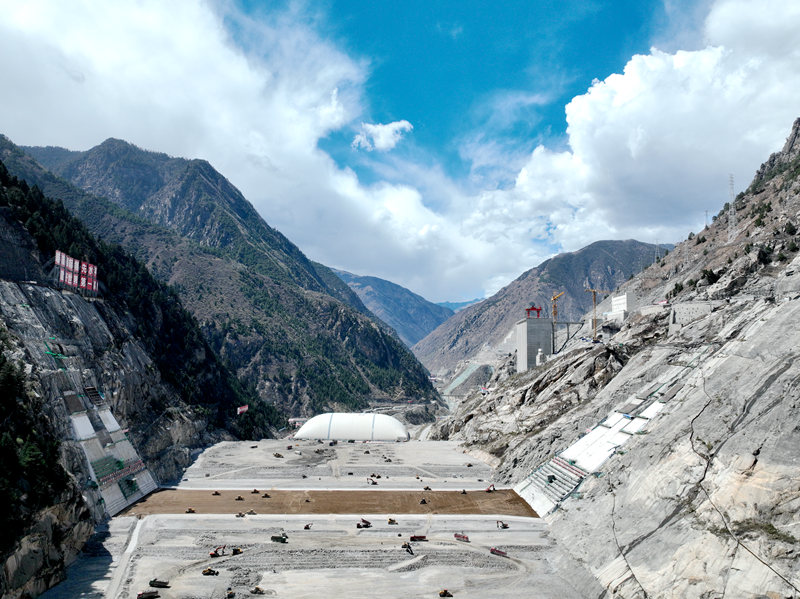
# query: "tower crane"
{"points": [[594, 293], [555, 307]]}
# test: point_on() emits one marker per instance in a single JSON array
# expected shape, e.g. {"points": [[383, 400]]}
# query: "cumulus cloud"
{"points": [[379, 136], [647, 150]]}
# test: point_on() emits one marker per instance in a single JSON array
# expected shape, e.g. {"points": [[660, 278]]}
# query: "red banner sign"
{"points": [[75, 273]]}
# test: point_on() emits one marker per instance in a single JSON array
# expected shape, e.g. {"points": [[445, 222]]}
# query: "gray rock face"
{"points": [[703, 502], [98, 351]]}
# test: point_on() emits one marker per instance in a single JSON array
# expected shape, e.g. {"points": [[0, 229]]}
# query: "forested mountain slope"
{"points": [[289, 328]]}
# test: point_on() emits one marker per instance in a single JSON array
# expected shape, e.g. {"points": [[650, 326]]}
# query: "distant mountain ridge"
{"points": [[602, 265], [458, 306], [289, 328], [411, 315]]}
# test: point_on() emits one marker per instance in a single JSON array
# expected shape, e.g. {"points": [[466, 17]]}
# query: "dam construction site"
{"points": [[295, 518]]}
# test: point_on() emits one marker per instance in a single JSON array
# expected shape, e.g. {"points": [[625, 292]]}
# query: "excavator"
{"points": [[501, 524], [490, 488], [237, 551], [364, 524], [392, 521], [445, 593], [218, 551]]}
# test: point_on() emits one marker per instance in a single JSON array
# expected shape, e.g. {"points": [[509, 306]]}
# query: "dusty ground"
{"points": [[333, 558], [175, 501]]}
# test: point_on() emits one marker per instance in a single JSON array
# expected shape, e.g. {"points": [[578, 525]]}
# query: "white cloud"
{"points": [[379, 136], [649, 149]]}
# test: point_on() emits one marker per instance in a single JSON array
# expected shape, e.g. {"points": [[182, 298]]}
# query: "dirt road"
{"points": [[176, 501]]}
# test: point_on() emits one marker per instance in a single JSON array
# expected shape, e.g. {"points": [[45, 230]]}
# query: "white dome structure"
{"points": [[351, 426]]}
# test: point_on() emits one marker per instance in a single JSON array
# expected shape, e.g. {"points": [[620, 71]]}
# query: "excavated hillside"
{"points": [[82, 377], [681, 430]]}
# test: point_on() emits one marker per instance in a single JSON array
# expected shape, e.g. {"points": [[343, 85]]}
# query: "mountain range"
{"points": [[411, 315], [290, 329], [602, 265]]}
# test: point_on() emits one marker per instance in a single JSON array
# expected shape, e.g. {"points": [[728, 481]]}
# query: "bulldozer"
{"points": [[159, 584], [257, 591], [216, 493], [392, 521], [210, 572], [190, 510], [445, 593], [236, 551]]}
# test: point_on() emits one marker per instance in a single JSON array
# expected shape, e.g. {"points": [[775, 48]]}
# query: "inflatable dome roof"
{"points": [[351, 426]]}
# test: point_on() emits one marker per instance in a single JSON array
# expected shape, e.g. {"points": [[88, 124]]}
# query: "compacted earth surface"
{"points": [[299, 529]]}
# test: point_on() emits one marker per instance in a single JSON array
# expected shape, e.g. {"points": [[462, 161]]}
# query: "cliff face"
{"points": [[700, 497], [79, 389]]}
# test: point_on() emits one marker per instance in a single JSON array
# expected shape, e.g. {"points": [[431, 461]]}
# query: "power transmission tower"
{"points": [[731, 213]]}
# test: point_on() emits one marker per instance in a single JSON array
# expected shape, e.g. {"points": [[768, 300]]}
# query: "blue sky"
{"points": [[447, 66], [445, 146]]}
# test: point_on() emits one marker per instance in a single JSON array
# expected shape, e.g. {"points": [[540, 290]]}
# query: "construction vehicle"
{"points": [[445, 593], [239, 498], [148, 595], [257, 591], [371, 481], [218, 551], [190, 510], [501, 524], [251, 512], [159, 584], [229, 594], [278, 455], [496, 551], [216, 493], [461, 537], [426, 488], [423, 501], [490, 488], [281, 538], [254, 492], [364, 524], [236, 551], [407, 547], [392, 521], [308, 526], [418, 538], [265, 496], [210, 572], [240, 515], [463, 491]]}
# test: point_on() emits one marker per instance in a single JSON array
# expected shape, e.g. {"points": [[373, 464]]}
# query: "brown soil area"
{"points": [[175, 501]]}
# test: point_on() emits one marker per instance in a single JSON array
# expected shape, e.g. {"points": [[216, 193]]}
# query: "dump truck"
{"points": [[281, 538], [148, 595], [461, 537], [159, 584], [496, 551]]}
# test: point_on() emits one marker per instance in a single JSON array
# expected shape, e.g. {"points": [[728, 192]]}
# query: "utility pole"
{"points": [[731, 213], [594, 293]]}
